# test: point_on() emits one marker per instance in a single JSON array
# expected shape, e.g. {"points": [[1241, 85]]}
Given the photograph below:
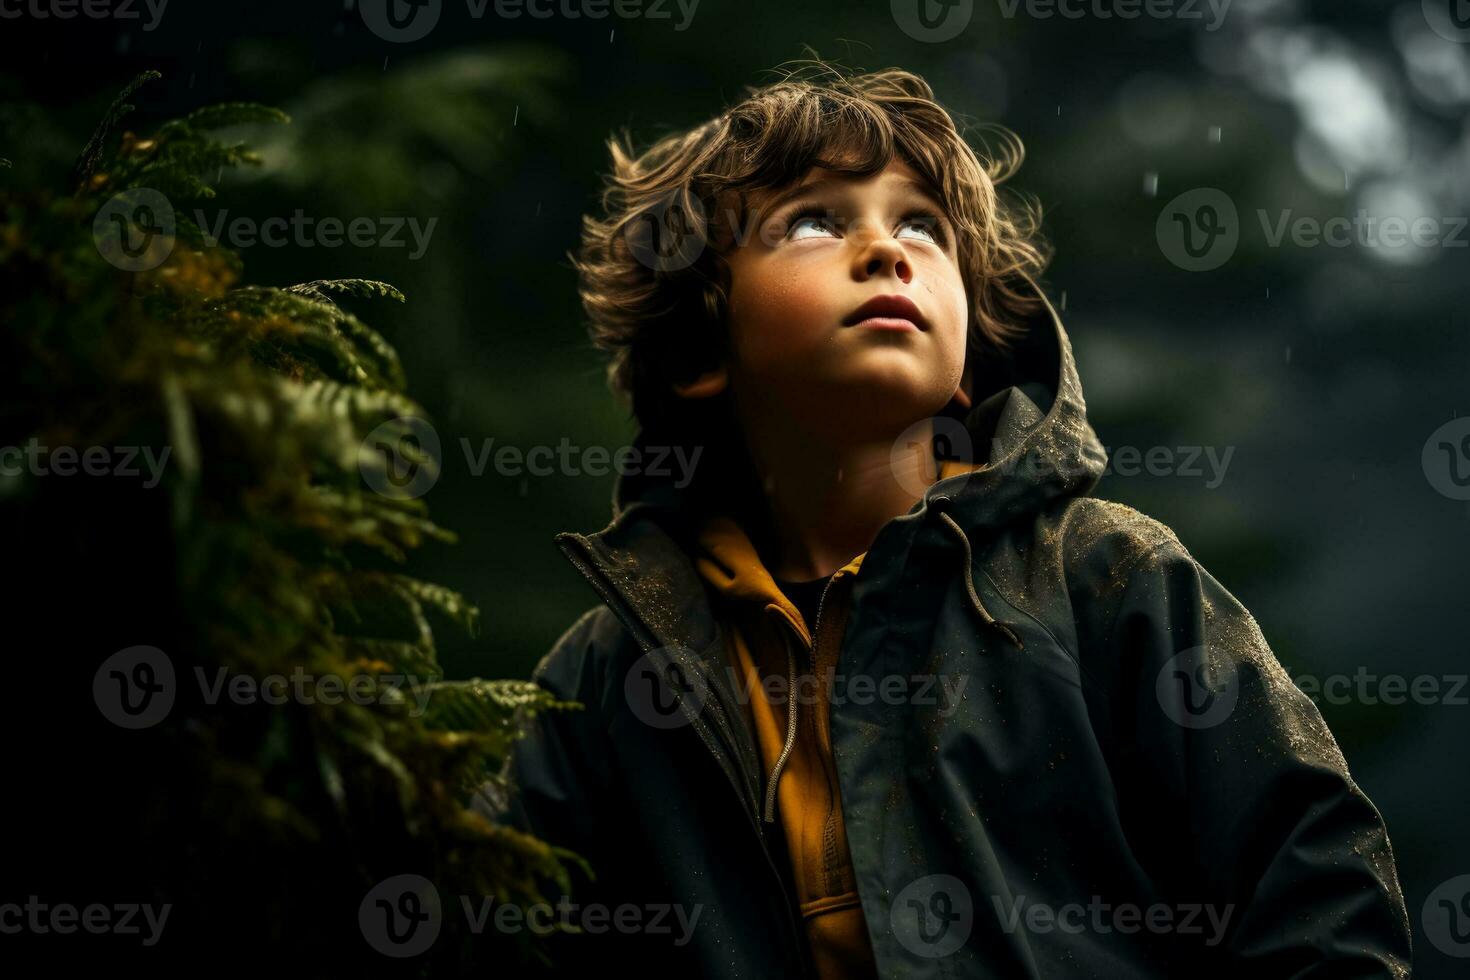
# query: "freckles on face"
{"points": [[781, 304], [803, 270]]}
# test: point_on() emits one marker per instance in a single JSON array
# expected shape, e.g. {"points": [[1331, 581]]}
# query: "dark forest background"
{"points": [[1324, 370]]}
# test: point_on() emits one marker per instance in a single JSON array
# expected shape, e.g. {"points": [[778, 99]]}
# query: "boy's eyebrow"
{"points": [[793, 192], [913, 186]]}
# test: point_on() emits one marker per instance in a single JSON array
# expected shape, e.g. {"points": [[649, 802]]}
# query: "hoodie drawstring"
{"points": [[770, 815], [985, 616]]}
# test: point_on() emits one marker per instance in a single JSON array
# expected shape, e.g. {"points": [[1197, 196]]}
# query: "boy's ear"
{"points": [[707, 385]]}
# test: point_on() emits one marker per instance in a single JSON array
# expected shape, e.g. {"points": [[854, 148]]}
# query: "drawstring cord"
{"points": [[985, 616], [989, 620], [770, 815]]}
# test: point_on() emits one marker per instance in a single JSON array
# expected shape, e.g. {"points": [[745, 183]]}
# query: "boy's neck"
{"points": [[825, 507]]}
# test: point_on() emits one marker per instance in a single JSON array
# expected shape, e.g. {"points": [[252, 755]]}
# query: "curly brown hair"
{"points": [[661, 313]]}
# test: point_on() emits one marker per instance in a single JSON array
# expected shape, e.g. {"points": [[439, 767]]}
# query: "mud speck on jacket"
{"points": [[1128, 784]]}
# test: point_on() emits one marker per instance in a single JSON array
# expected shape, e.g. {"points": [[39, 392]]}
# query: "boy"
{"points": [[881, 691]]}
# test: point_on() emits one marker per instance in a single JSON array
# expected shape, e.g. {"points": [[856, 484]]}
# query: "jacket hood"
{"points": [[1025, 442]]}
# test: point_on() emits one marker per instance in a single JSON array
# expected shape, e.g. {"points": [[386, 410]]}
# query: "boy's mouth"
{"points": [[887, 312]]}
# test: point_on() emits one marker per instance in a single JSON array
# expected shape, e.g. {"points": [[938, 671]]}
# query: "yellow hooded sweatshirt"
{"points": [[769, 642]]}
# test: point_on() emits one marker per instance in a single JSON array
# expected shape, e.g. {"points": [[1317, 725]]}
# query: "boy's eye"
{"points": [[926, 225], [814, 225], [812, 220]]}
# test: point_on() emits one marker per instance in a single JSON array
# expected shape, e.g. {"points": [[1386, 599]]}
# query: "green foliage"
{"points": [[280, 558], [428, 130]]}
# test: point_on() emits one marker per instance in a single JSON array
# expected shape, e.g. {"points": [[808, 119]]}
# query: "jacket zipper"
{"points": [[829, 842], [613, 600], [770, 814]]}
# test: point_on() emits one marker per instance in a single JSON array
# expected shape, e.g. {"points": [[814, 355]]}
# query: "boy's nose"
{"points": [[882, 255]]}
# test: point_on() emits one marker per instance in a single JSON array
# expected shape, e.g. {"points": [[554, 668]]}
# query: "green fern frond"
{"points": [[235, 114], [447, 601], [388, 526], [479, 705], [368, 341], [407, 658], [91, 155], [361, 406], [365, 288]]}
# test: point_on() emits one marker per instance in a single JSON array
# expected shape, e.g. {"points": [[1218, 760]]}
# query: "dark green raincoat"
{"points": [[1128, 786]]}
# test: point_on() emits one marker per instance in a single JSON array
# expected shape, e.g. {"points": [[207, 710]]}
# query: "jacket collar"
{"points": [[1025, 443]]}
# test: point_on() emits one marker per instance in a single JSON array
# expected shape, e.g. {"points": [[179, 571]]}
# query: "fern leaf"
{"points": [[365, 288], [235, 114], [91, 155]]}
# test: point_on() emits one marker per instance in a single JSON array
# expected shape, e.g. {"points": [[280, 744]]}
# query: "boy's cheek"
{"points": [[782, 309]]}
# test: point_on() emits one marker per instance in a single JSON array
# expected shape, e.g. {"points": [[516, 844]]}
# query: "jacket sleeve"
{"points": [[1246, 800], [558, 768]]}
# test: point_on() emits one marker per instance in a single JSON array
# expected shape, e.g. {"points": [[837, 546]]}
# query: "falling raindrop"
{"points": [[1151, 184], [1215, 134], [385, 62]]}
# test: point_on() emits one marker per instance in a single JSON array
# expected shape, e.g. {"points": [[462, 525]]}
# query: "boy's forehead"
{"points": [[897, 172]]}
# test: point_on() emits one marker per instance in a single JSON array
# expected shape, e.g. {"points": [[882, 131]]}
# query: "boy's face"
{"points": [[813, 254]]}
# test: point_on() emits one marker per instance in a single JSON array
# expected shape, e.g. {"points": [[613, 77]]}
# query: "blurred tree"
{"points": [[262, 545]]}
